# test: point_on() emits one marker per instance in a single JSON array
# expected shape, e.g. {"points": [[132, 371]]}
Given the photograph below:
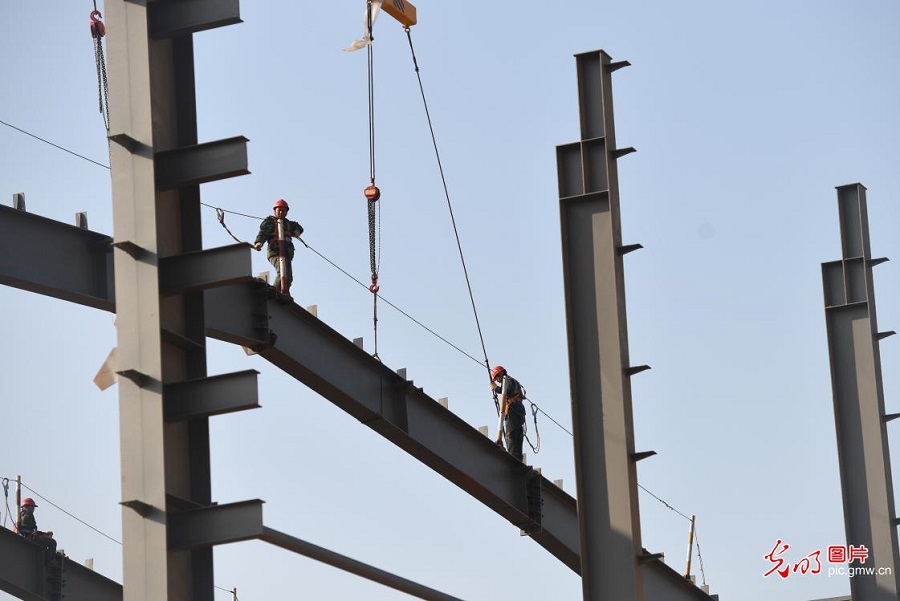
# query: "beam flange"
{"points": [[201, 163], [79, 268], [168, 18], [205, 269], [215, 525], [214, 395], [23, 574]]}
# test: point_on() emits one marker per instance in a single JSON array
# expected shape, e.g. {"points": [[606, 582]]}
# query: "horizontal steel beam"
{"points": [[202, 163], [22, 574], [167, 18], [55, 259], [214, 395], [312, 352], [215, 525], [204, 269]]}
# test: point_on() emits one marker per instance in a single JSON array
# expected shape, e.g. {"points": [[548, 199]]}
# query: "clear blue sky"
{"points": [[745, 119]]}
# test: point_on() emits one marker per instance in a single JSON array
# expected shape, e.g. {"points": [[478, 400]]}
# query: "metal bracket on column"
{"points": [[182, 17], [890, 417], [642, 455], [879, 261], [620, 152], [143, 509], [215, 525], [214, 395], [628, 248], [883, 335], [202, 163], [636, 369], [205, 269], [130, 144], [617, 65], [140, 379], [136, 252]]}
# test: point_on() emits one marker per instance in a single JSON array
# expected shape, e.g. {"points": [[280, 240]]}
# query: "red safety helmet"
{"points": [[28, 501], [497, 372], [281, 203]]}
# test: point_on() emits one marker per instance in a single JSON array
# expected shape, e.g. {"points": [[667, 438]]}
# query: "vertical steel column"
{"points": [[599, 371], [859, 415], [161, 339]]}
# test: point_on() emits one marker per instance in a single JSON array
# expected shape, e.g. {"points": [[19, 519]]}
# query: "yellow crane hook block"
{"points": [[401, 10]]}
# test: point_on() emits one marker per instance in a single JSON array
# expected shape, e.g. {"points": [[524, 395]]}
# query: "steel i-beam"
{"points": [[160, 272], [599, 369], [859, 414]]}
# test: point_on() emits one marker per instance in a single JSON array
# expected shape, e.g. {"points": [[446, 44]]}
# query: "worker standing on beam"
{"points": [[512, 410], [277, 230]]}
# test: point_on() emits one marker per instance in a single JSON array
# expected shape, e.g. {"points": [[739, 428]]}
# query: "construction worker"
{"points": [[277, 230], [512, 409], [27, 527]]}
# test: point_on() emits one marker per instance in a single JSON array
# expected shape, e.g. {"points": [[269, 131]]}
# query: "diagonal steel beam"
{"points": [[315, 354]]}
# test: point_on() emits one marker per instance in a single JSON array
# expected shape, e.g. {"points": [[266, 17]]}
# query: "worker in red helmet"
{"points": [[27, 527], [511, 408], [277, 230]]}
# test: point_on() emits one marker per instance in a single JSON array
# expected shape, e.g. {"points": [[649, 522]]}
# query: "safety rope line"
{"points": [[28, 133], [437, 155], [699, 556], [5, 483], [98, 31], [220, 212]]}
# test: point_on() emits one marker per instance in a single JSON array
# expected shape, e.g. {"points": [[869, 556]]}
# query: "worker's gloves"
{"points": [[493, 386], [257, 245]]}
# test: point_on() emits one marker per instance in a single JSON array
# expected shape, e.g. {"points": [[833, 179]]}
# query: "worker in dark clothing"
{"points": [[512, 409], [27, 527], [277, 230]]}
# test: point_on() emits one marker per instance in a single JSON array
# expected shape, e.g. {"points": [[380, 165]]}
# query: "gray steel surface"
{"points": [[860, 420], [214, 395], [161, 336], [23, 574], [599, 368], [80, 270]]}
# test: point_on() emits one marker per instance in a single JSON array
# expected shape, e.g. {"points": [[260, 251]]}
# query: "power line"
{"points": [[664, 503], [43, 498], [53, 145]]}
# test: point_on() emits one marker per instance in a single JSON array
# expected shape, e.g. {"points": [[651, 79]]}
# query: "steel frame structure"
{"points": [[169, 294], [859, 413]]}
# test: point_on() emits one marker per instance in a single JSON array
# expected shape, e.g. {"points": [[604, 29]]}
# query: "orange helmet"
{"points": [[281, 203], [497, 372], [28, 501]]}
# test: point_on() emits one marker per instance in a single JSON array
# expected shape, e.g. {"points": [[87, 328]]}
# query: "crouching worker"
{"points": [[27, 527]]}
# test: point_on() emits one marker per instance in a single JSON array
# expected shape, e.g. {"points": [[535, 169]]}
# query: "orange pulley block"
{"points": [[372, 193]]}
